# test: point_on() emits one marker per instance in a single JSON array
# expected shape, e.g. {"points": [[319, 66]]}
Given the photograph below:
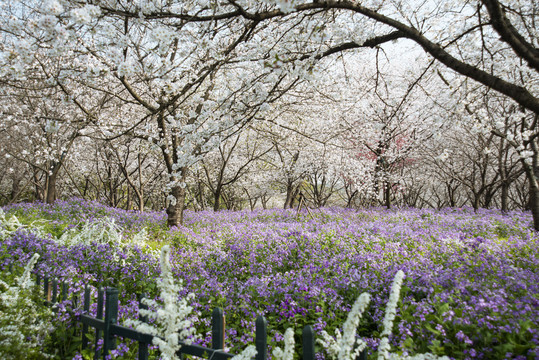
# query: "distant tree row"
{"points": [[235, 104], [387, 148]]}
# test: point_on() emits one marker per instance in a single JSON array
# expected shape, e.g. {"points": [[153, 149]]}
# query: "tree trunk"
{"points": [[15, 188], [128, 205], [217, 197], [202, 201], [505, 196], [51, 188], [252, 203], [175, 209], [502, 170], [351, 195], [140, 198], [289, 195], [451, 193], [37, 187], [140, 192], [475, 203], [86, 187], [387, 195], [489, 196], [532, 176], [534, 206], [294, 196]]}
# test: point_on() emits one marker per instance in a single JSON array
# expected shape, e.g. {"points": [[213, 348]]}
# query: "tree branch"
{"points": [[510, 35]]}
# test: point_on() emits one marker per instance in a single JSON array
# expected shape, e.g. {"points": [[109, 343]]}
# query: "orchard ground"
{"points": [[470, 291]]}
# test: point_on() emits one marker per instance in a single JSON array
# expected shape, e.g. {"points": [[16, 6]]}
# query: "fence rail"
{"points": [[107, 328]]}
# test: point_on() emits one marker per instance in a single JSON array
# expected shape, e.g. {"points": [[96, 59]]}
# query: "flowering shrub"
{"points": [[470, 291], [62, 215], [288, 352], [11, 224], [349, 347], [24, 321], [172, 321]]}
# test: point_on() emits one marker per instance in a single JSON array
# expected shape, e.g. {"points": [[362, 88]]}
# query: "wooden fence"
{"points": [[106, 327]]}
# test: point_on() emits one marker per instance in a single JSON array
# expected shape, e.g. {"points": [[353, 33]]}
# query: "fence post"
{"points": [[85, 310], [363, 355], [261, 338], [64, 291], [99, 315], [54, 290], [308, 343], [217, 329], [142, 347], [111, 317], [75, 301], [46, 292]]}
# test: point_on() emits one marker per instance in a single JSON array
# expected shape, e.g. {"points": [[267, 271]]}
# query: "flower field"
{"points": [[471, 286]]}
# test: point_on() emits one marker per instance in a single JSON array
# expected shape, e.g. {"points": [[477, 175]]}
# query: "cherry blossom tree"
{"points": [[482, 41], [232, 160], [164, 79], [186, 76], [39, 130]]}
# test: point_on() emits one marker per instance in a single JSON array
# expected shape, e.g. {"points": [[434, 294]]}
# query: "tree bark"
{"points": [[264, 201], [140, 198], [532, 176], [38, 190], [15, 188], [293, 197], [534, 206], [86, 187], [287, 201], [128, 205], [291, 193], [505, 196], [217, 197], [387, 194], [202, 200], [475, 202], [350, 198], [252, 203], [140, 192], [175, 210], [51, 188]]}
